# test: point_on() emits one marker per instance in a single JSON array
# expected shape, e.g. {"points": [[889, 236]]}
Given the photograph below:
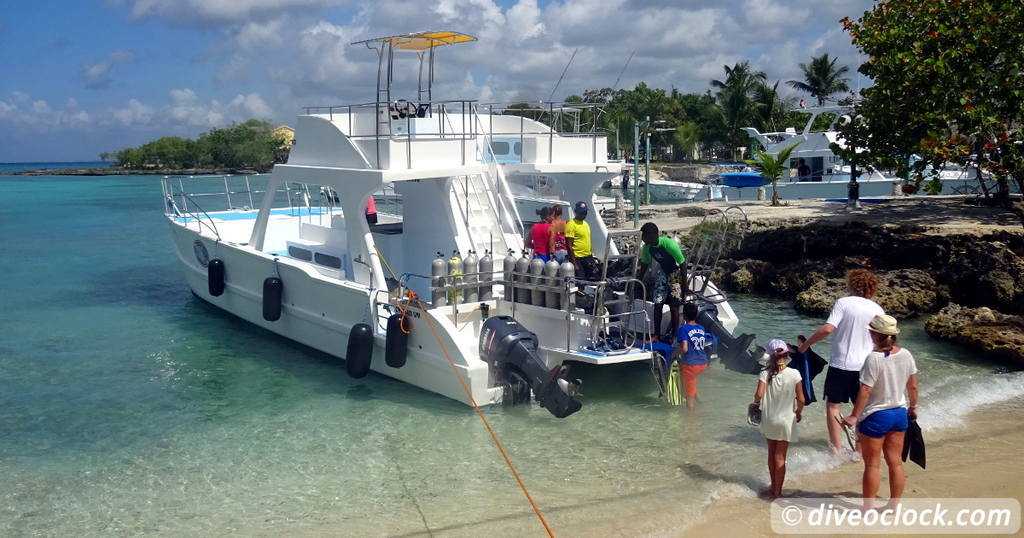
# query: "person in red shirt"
{"points": [[537, 239], [371, 211]]}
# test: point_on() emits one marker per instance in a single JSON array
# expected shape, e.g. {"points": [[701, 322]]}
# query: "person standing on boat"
{"points": [[537, 239], [670, 261], [851, 344], [803, 172], [556, 235], [371, 211], [885, 404], [577, 237]]}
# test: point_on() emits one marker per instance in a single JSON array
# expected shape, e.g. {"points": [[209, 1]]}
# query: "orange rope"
{"points": [[480, 413]]}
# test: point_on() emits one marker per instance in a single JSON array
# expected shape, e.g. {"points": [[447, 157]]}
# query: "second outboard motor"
{"points": [[486, 276], [733, 350], [552, 298], [470, 266], [537, 279], [522, 278], [510, 347], [509, 266], [438, 270]]}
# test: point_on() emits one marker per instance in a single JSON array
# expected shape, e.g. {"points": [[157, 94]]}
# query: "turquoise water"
{"points": [[128, 406]]}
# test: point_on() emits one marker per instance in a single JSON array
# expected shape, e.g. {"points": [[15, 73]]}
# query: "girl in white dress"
{"points": [[783, 395]]}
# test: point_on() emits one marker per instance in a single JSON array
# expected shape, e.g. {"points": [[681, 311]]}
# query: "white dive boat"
{"points": [[307, 265], [829, 176]]}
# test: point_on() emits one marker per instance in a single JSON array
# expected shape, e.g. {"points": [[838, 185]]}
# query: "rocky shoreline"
{"points": [[968, 279]]}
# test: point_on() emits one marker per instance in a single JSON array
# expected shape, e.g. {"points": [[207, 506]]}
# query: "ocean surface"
{"points": [[21, 167], [128, 406]]}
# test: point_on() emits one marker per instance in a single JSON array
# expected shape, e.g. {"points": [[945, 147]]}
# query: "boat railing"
{"points": [[460, 120]]}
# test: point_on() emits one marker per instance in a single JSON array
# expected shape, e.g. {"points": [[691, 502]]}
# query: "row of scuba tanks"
{"points": [[522, 277]]}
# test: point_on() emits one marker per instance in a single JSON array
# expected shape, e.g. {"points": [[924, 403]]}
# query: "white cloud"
{"points": [[96, 75], [6, 109], [193, 12]]}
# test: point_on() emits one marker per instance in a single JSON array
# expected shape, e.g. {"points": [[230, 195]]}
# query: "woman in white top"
{"points": [[887, 398], [783, 395]]}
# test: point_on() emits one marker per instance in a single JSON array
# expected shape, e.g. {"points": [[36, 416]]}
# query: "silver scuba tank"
{"points": [[566, 270], [486, 276], [454, 274], [438, 270], [470, 266], [552, 298], [522, 279], [508, 265], [537, 279]]}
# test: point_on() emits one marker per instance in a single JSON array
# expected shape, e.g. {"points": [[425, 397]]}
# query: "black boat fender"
{"points": [[273, 289], [359, 351], [215, 277], [396, 346]]}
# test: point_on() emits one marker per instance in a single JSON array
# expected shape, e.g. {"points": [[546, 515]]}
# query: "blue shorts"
{"points": [[879, 423], [543, 257]]}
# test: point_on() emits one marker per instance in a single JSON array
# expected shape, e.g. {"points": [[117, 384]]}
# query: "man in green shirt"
{"points": [[660, 290]]}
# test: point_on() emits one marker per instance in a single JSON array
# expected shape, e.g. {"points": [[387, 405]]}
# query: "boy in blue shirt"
{"points": [[691, 355]]}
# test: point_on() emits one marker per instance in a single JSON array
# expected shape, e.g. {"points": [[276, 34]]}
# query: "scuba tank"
{"points": [[551, 298], [454, 269], [537, 278], [509, 266], [522, 278], [470, 266], [487, 270], [566, 270], [438, 270]]}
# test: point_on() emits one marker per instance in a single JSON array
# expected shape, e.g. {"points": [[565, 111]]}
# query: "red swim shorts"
{"points": [[690, 373]]}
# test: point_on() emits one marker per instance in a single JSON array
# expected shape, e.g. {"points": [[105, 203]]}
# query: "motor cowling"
{"points": [[511, 348]]}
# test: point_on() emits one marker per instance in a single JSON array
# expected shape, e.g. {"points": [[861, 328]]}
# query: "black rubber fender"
{"points": [[273, 289], [359, 351], [215, 277], [396, 347]]}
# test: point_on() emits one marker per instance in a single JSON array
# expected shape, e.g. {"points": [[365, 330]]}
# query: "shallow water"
{"points": [[128, 406]]}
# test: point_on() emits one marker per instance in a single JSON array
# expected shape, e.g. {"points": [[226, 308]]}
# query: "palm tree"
{"points": [[734, 98], [687, 137], [772, 166], [770, 109], [822, 78]]}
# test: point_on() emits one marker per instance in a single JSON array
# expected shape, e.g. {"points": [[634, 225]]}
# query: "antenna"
{"points": [[619, 78], [552, 96]]}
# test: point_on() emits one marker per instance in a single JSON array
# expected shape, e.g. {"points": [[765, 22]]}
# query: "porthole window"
{"points": [[328, 260], [300, 253], [500, 148]]}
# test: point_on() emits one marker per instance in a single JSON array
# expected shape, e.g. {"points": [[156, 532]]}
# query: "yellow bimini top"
{"points": [[419, 40]]}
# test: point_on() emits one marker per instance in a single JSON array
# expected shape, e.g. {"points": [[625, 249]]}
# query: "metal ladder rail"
{"points": [[600, 303]]}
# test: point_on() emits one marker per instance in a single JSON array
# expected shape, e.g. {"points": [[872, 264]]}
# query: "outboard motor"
{"points": [[486, 276], [508, 266], [512, 349], [732, 350], [470, 265], [438, 270]]}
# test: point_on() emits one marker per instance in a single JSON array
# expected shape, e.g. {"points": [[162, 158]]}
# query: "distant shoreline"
{"points": [[129, 172]]}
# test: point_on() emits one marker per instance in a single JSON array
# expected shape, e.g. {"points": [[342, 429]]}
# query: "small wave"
{"points": [[947, 405]]}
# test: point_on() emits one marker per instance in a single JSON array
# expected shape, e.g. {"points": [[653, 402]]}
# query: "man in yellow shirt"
{"points": [[577, 237]]}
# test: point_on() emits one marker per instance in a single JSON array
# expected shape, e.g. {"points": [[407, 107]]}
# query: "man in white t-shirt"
{"points": [[851, 344]]}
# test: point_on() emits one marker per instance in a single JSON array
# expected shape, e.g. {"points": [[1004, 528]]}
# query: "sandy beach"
{"points": [[981, 459]]}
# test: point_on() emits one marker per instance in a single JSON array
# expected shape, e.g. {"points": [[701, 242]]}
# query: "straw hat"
{"points": [[883, 324]]}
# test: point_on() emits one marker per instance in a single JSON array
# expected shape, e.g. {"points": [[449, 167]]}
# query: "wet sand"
{"points": [[982, 459]]}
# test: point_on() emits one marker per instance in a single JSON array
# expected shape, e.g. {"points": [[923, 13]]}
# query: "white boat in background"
{"points": [[829, 175], [487, 326], [663, 190]]}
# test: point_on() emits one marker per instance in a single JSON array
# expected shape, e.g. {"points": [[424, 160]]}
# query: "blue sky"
{"points": [[89, 76]]}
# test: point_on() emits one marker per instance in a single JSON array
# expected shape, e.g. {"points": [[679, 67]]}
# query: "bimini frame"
{"points": [[423, 43]]}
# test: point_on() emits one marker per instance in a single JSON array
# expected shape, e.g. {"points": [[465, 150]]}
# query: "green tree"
{"points": [[822, 78], [735, 100], [772, 167], [948, 82], [687, 137]]}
